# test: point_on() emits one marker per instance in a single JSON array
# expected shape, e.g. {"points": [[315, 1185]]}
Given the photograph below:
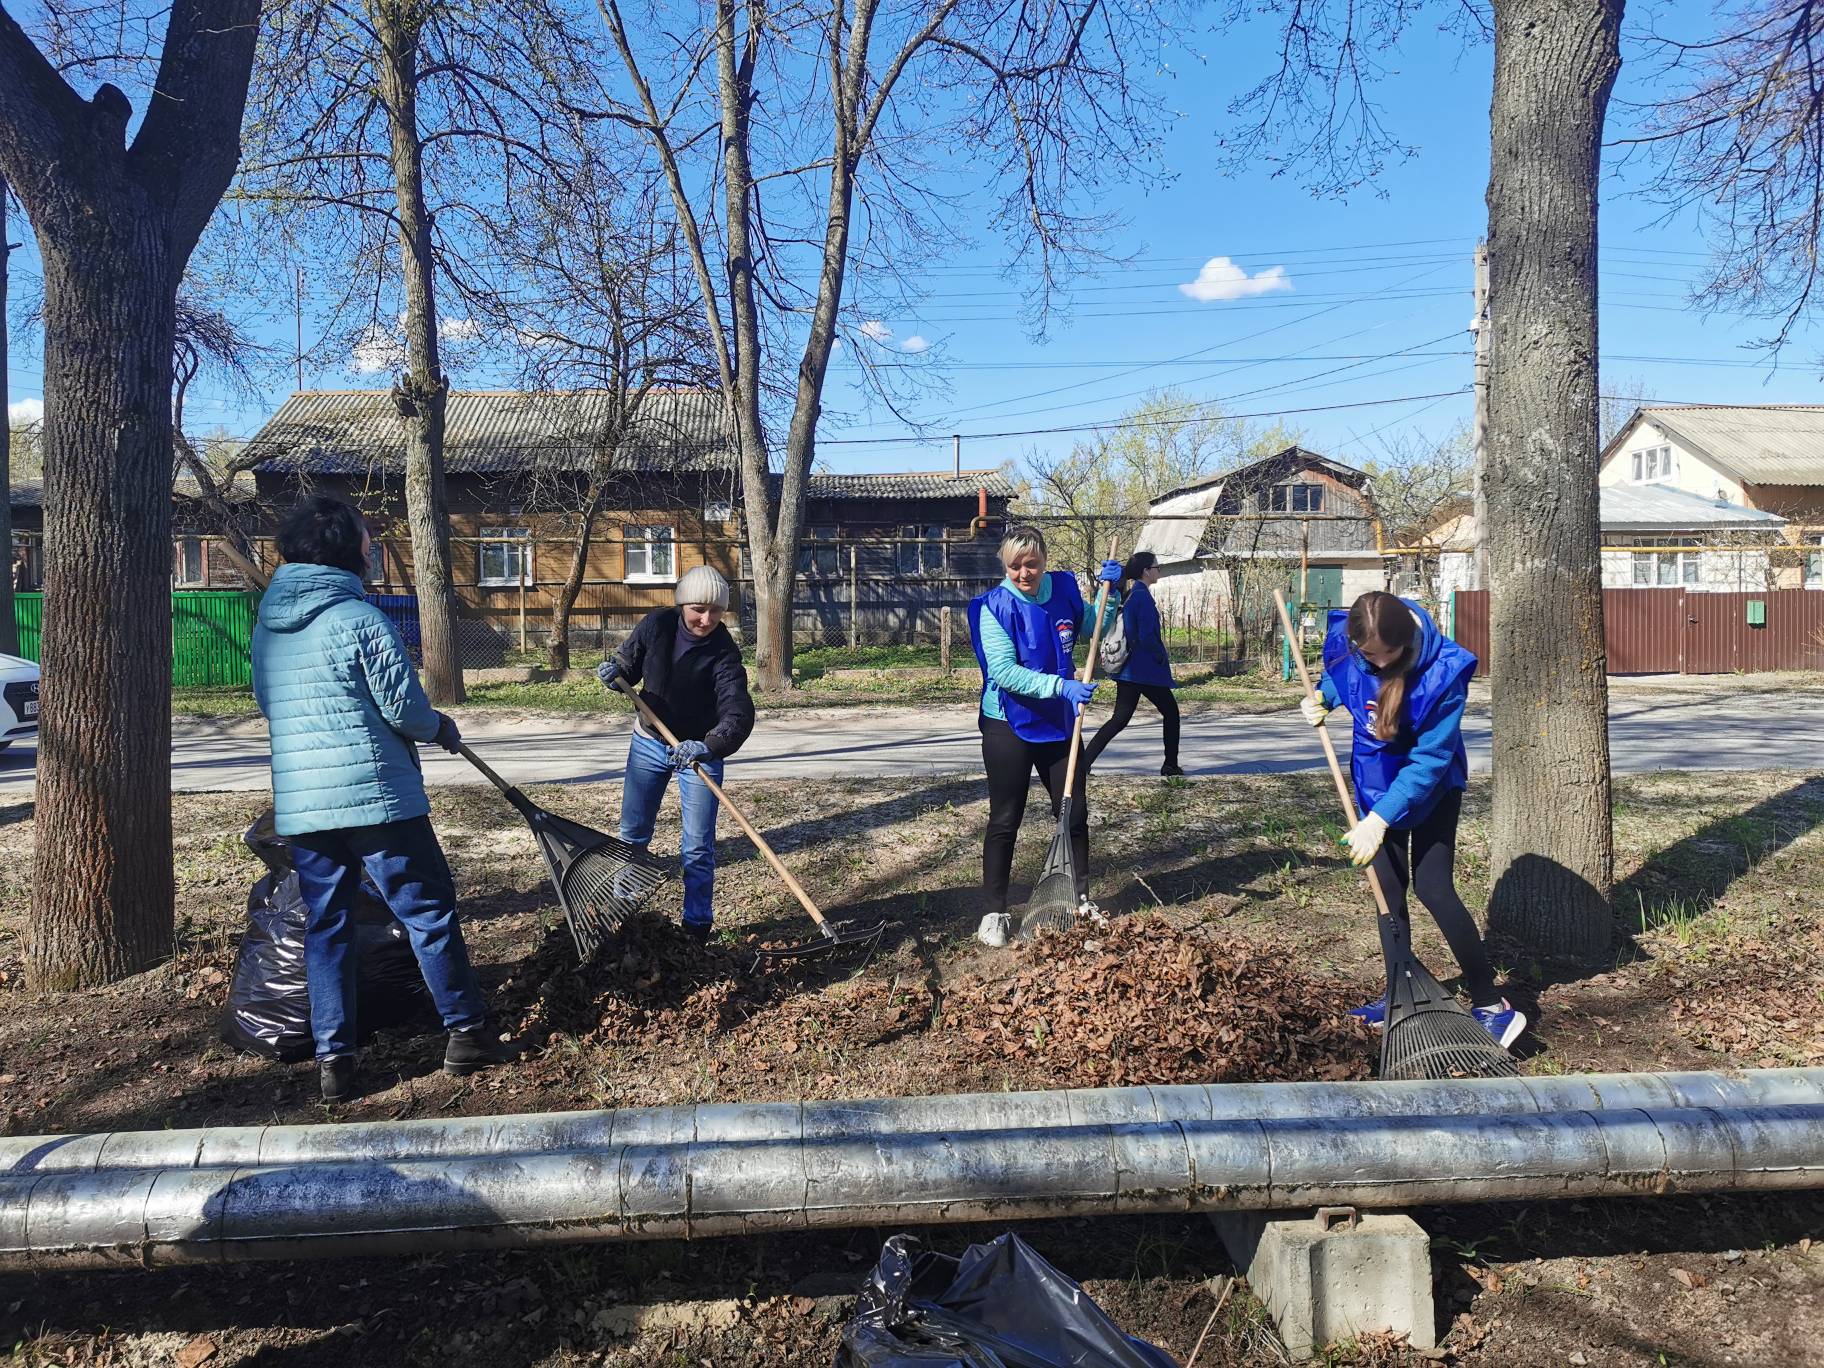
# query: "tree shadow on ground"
{"points": [[16, 812]]}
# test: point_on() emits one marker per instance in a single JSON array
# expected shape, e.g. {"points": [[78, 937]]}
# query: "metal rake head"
{"points": [[1429, 1034], [1052, 907], [600, 880], [602, 888]]}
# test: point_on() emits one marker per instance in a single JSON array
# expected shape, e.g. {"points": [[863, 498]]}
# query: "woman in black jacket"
{"points": [[691, 676]]}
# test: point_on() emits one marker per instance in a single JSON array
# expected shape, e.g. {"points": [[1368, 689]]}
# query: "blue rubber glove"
{"points": [[447, 735], [1110, 573], [609, 671], [685, 754], [1077, 693]]}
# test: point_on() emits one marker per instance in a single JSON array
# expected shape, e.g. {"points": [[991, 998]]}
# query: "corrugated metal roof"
{"points": [[1175, 524], [356, 432], [913, 484], [1651, 508], [1779, 444]]}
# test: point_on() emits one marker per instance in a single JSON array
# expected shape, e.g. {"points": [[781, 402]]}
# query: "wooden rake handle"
{"points": [[741, 821], [1323, 735], [1089, 671]]}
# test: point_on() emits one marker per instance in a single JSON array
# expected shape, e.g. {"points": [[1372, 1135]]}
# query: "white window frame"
{"points": [[515, 543], [1813, 571], [1654, 464], [1666, 569], [202, 561], [639, 538]]}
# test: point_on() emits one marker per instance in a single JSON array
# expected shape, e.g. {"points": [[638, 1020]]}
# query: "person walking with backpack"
{"points": [[1135, 656], [692, 677], [346, 715], [1025, 631], [1404, 685]]}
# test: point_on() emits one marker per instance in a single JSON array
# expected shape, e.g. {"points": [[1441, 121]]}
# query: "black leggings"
{"points": [[1127, 698], [1422, 859], [1010, 761]]}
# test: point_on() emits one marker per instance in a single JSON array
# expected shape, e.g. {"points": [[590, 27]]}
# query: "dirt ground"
{"points": [[1238, 939]]}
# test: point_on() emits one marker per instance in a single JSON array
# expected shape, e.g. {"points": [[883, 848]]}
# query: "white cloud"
{"points": [[25, 413], [458, 329], [876, 331], [1221, 278], [915, 344], [376, 351]]}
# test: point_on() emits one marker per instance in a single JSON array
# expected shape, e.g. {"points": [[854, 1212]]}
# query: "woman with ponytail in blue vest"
{"points": [[1025, 631], [1405, 685]]}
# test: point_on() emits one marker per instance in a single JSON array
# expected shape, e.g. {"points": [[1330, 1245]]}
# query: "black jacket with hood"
{"points": [[702, 696]]}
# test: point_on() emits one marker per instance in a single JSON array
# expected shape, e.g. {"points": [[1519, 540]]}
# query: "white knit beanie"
{"points": [[704, 584]]}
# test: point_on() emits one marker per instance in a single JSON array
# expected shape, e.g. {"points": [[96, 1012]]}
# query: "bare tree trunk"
{"points": [[9, 625], [1552, 848], [115, 225], [557, 649], [422, 393]]}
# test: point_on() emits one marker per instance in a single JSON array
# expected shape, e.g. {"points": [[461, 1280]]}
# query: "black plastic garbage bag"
{"points": [[268, 1010], [999, 1306]]}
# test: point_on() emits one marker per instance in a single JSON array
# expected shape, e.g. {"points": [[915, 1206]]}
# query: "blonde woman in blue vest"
{"points": [[1405, 685], [1026, 631]]}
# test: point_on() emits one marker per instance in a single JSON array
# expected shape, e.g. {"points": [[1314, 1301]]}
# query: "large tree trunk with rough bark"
{"points": [[9, 625], [116, 224], [1552, 844], [422, 393]]}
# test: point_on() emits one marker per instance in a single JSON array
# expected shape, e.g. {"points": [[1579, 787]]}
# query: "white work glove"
{"points": [[1364, 839], [1313, 707]]}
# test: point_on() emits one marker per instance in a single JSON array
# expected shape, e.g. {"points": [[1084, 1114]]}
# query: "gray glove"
{"points": [[687, 753]]}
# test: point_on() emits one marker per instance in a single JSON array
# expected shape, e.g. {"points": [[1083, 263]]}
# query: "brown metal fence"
{"points": [[1673, 631]]}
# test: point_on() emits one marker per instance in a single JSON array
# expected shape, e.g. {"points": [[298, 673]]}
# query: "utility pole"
{"points": [[956, 450], [1483, 338], [298, 316]]}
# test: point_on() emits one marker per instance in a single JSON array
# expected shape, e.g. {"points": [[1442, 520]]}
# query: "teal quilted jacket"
{"points": [[342, 703]]}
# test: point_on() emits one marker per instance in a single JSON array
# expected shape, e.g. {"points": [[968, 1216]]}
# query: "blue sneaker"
{"points": [[1373, 1014], [1501, 1021]]}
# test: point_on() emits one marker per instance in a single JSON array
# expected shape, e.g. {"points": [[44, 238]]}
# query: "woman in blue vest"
{"points": [[1404, 685], [1147, 672], [1025, 631]]}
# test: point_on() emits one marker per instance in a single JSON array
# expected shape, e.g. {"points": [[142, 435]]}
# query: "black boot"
{"points": [[471, 1051], [1170, 769], [698, 932], [336, 1077]]}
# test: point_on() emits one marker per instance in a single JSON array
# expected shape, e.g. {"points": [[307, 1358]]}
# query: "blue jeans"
{"points": [[648, 771], [407, 866]]}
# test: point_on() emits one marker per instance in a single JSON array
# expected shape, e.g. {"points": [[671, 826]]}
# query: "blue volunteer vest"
{"points": [[1374, 763], [1043, 636]]}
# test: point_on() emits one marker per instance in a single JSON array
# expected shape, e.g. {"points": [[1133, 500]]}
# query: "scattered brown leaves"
{"points": [[1143, 1001]]}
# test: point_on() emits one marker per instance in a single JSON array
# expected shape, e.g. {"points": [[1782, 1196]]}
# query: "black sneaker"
{"points": [[698, 931], [336, 1077], [472, 1051], [1170, 770]]}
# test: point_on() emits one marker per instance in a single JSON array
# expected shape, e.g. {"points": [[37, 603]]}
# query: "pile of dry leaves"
{"points": [[1753, 997], [1143, 1001], [650, 983]]}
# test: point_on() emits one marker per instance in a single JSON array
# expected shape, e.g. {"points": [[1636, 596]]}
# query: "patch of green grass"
{"points": [[221, 701]]}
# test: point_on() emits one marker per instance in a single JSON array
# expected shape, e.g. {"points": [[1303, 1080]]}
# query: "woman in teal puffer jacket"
{"points": [[346, 712]]}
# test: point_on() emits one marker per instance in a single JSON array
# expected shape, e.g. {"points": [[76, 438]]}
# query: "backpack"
{"points": [[1114, 649]]}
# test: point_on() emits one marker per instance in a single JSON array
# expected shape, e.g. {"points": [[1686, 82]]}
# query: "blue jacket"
{"points": [[1402, 779], [1147, 662], [342, 703]]}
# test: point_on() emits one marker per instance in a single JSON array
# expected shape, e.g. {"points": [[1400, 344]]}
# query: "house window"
{"points": [[1653, 464], [719, 511], [1666, 569], [651, 552], [819, 556], [191, 558], [1296, 498], [376, 563], [505, 557], [921, 550], [1814, 564]]}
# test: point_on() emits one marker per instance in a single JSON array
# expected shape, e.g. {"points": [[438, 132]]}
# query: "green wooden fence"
{"points": [[211, 635]]}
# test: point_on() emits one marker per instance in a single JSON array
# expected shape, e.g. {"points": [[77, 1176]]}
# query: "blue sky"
{"points": [[1317, 303]]}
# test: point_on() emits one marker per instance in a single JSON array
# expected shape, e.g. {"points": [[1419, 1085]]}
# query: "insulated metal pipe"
{"points": [[694, 1188], [545, 1133]]}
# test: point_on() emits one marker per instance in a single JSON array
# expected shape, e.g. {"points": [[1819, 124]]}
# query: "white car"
{"points": [[18, 699]]}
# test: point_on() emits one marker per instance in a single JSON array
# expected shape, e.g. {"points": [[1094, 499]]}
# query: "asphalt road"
{"points": [[1762, 731]]}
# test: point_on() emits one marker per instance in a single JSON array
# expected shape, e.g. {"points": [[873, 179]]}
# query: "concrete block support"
{"points": [[1332, 1275]]}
